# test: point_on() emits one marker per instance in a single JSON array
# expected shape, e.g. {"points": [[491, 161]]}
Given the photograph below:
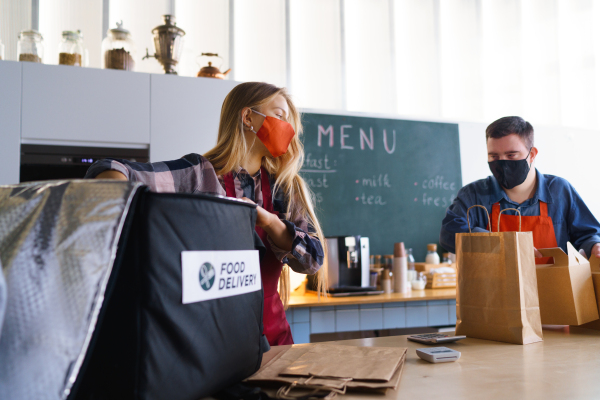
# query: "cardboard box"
{"points": [[426, 268], [595, 268], [566, 288]]}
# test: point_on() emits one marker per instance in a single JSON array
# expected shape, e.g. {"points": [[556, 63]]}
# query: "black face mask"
{"points": [[510, 173]]}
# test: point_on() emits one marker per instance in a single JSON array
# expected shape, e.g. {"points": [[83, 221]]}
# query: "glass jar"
{"points": [[387, 265], [432, 255], [70, 49], [30, 47], [410, 260], [118, 49]]}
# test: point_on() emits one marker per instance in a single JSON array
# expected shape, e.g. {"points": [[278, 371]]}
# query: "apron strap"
{"points": [[229, 185], [543, 209], [266, 191]]}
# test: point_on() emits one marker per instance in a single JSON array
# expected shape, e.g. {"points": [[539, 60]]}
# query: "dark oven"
{"points": [[45, 162]]}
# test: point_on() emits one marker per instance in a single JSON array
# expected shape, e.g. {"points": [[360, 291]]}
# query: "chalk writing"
{"points": [[371, 200], [367, 141], [438, 183], [437, 201], [318, 163], [363, 139], [317, 182], [377, 181]]}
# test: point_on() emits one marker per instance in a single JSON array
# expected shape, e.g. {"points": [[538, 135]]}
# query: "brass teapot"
{"points": [[210, 71]]}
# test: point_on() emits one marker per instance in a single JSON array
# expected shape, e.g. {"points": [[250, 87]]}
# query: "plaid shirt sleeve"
{"points": [[306, 256], [190, 174]]}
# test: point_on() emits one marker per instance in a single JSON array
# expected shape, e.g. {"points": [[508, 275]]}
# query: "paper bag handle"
{"points": [[319, 392], [486, 213], [594, 263], [506, 209]]}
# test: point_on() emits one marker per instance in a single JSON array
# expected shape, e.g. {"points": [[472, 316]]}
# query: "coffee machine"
{"points": [[348, 266]]}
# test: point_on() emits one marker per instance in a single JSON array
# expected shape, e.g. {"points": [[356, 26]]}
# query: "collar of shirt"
{"points": [[541, 193]]}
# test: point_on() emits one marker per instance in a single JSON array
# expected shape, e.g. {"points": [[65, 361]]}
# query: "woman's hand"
{"points": [[271, 224], [264, 218], [111, 174]]}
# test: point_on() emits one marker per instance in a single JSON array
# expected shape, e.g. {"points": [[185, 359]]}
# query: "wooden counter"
{"points": [[566, 365], [312, 300]]}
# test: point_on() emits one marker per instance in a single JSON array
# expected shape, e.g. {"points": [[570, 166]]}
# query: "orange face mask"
{"points": [[275, 134]]}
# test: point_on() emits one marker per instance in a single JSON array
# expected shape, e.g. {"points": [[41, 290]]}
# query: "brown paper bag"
{"points": [[566, 288], [299, 360], [595, 269], [496, 297], [357, 363]]}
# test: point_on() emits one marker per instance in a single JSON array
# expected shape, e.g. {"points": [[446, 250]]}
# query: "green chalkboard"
{"points": [[390, 180]]}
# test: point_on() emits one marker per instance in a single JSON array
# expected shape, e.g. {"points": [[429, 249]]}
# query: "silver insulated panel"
{"points": [[58, 241]]}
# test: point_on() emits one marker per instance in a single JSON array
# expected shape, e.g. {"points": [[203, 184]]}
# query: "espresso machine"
{"points": [[348, 267]]}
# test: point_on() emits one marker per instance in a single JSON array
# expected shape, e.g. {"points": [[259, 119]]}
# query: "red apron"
{"points": [[541, 226], [276, 328]]}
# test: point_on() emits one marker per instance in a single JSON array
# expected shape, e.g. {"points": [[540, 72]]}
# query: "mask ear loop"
{"points": [[531, 148]]}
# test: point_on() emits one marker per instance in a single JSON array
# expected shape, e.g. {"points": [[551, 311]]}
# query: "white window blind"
{"points": [[206, 24], [417, 57], [57, 16], [316, 54], [368, 48], [260, 41]]}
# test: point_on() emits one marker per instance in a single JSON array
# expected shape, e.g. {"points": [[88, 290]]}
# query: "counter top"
{"points": [[564, 366], [312, 300]]}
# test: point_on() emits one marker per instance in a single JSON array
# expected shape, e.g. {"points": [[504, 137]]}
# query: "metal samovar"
{"points": [[167, 44]]}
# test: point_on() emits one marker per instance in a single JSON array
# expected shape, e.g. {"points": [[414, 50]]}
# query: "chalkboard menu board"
{"points": [[387, 179]]}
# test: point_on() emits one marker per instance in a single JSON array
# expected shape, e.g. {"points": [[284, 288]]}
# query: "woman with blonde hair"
{"points": [[257, 158]]}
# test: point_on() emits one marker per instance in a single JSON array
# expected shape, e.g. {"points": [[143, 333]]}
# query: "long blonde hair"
{"points": [[231, 149]]}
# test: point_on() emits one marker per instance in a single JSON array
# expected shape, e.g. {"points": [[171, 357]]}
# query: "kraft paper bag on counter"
{"points": [[566, 288], [333, 368], [497, 296], [595, 270]]}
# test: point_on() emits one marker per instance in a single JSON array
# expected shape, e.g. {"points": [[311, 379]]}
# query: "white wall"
{"points": [[184, 115], [10, 121]]}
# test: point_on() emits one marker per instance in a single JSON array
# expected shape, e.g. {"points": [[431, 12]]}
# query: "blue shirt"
{"points": [[573, 222]]}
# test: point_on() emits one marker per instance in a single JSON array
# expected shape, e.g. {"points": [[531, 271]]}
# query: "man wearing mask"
{"points": [[550, 207]]}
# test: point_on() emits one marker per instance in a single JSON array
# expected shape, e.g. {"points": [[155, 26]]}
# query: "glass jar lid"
{"points": [[72, 35], [119, 33], [31, 34]]}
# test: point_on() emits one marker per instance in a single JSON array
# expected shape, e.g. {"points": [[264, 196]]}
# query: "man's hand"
{"points": [[595, 251], [537, 253]]}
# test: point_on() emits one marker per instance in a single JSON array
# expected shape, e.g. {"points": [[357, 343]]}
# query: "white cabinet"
{"points": [[85, 105], [10, 121], [184, 115]]}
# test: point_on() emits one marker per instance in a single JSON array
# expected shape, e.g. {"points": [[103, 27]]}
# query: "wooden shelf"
{"points": [[312, 300]]}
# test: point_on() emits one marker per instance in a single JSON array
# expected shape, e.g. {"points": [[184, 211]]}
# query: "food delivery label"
{"points": [[207, 275]]}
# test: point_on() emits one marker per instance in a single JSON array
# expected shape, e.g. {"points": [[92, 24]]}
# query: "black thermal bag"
{"points": [[147, 344]]}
